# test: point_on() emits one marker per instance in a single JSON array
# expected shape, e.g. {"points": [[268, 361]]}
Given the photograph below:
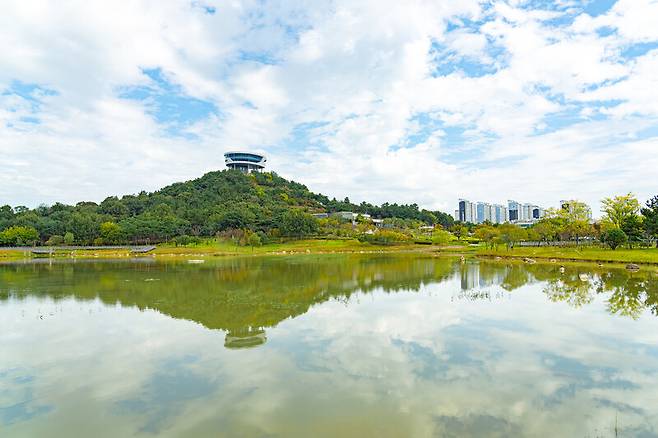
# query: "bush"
{"points": [[440, 237], [69, 238], [614, 238], [254, 240], [385, 237], [185, 240], [55, 240], [17, 236]]}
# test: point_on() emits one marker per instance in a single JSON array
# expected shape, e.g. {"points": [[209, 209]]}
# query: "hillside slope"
{"points": [[215, 202]]}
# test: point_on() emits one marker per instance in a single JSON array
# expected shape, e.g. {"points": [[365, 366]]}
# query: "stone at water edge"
{"points": [[633, 267]]}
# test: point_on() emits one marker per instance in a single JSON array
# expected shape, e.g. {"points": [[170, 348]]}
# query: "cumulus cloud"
{"points": [[415, 102]]}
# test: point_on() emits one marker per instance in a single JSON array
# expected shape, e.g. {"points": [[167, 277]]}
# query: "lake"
{"points": [[327, 346]]}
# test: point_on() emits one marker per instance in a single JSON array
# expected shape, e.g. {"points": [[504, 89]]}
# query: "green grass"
{"points": [[212, 247], [297, 246], [592, 254], [11, 255]]}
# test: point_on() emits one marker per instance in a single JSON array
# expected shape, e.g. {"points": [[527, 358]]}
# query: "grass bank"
{"points": [[211, 248], [6, 254], [588, 254]]}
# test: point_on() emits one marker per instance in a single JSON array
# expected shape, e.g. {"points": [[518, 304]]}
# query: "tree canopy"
{"points": [[215, 202]]}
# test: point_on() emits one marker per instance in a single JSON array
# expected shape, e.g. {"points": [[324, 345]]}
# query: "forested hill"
{"points": [[217, 201]]}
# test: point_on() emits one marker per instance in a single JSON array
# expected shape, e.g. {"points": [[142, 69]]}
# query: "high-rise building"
{"points": [[467, 211], [526, 212], [480, 206], [491, 213], [496, 213], [500, 214], [514, 212], [485, 212], [514, 209]]}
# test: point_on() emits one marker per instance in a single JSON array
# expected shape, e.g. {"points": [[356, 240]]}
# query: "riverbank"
{"points": [[647, 256], [218, 249], [321, 246]]}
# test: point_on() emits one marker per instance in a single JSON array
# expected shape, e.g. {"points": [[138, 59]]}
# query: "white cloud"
{"points": [[361, 73]]}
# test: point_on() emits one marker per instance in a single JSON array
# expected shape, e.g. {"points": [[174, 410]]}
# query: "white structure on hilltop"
{"points": [[246, 162]]}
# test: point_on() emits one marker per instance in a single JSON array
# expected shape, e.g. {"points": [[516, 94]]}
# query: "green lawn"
{"points": [[594, 254], [11, 255], [297, 246], [212, 247]]}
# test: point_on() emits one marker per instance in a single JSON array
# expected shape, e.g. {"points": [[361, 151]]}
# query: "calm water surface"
{"points": [[327, 346]]}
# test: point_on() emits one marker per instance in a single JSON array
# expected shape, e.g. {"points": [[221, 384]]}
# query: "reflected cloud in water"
{"points": [[331, 345]]}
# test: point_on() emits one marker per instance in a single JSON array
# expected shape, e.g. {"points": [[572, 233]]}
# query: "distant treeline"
{"points": [[219, 201]]}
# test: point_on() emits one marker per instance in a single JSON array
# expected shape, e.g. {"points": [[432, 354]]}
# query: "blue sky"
{"points": [[412, 101]]}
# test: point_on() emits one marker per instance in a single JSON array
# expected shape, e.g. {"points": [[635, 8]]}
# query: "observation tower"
{"points": [[246, 162]]}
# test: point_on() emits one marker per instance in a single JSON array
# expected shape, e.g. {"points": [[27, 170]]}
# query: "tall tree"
{"points": [[620, 208], [298, 224], [571, 223], [459, 230], [650, 214]]}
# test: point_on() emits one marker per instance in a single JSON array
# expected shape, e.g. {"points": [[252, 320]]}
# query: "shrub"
{"points": [[614, 238], [69, 238], [385, 237], [440, 237], [17, 236], [55, 240]]}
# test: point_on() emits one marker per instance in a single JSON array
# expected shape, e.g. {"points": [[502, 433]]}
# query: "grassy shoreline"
{"points": [[219, 249], [645, 256]]}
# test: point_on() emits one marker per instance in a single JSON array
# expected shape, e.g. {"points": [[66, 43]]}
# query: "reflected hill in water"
{"points": [[245, 296], [239, 295]]}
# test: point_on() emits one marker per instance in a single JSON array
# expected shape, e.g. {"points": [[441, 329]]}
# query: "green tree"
{"points": [[441, 237], [459, 230], [217, 201], [572, 223], [487, 234], [511, 234], [296, 223], [69, 238], [614, 237], [111, 233], [114, 207], [235, 219], [546, 230], [633, 227], [650, 215], [254, 240], [19, 236], [85, 226], [623, 212], [620, 208], [55, 240]]}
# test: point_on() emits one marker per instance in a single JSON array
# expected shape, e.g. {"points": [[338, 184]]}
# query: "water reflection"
{"points": [[327, 346], [242, 296], [245, 296], [628, 293]]}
